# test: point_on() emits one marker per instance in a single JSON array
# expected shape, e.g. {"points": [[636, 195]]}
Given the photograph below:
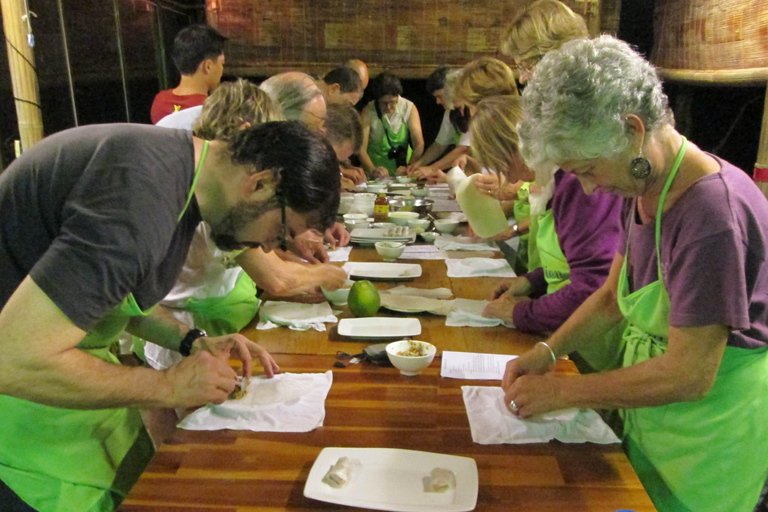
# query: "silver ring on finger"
{"points": [[513, 406]]}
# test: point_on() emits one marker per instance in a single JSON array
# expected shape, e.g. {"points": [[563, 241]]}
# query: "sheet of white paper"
{"points": [[470, 365], [423, 252]]}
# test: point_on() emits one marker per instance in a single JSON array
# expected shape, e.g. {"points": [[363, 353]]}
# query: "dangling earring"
{"points": [[640, 168]]}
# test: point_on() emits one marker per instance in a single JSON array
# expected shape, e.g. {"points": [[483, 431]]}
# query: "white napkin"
{"points": [[288, 402], [469, 313], [432, 293], [492, 423], [339, 254], [463, 243], [479, 267], [294, 315]]}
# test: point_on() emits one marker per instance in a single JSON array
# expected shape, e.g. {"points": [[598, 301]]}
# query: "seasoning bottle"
{"points": [[381, 208]]}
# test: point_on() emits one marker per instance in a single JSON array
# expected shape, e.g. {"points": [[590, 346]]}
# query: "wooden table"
{"points": [[371, 406]]}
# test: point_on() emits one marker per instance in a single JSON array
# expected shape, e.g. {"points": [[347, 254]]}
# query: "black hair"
{"points": [[460, 119], [348, 79], [304, 162], [194, 44], [387, 84], [436, 80], [342, 122]]}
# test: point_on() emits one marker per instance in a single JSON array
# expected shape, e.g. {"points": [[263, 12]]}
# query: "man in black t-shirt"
{"points": [[95, 225]]}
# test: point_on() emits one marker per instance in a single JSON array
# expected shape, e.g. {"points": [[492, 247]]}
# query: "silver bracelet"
{"points": [[551, 352]]}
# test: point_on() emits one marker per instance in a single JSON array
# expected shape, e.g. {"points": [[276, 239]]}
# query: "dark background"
{"points": [[725, 120]]}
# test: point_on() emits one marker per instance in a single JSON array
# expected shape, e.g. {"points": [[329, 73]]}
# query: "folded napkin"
{"points": [[479, 267], [339, 253], [432, 293], [288, 402], [492, 423], [294, 315], [463, 243], [415, 303], [469, 313]]}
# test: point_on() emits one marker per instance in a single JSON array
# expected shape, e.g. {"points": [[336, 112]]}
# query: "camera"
{"points": [[399, 154]]}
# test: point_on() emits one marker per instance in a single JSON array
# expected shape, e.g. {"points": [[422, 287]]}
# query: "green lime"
{"points": [[364, 299]]}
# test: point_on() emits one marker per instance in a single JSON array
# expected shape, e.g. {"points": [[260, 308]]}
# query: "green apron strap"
{"points": [[194, 180], [660, 207]]}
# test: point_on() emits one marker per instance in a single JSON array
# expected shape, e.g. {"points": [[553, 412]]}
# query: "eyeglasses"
{"points": [[526, 65]]}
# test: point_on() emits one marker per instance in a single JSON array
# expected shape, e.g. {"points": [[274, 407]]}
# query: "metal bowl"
{"points": [[411, 204]]}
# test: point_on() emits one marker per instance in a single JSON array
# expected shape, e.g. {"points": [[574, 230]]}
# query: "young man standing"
{"points": [[198, 53]]}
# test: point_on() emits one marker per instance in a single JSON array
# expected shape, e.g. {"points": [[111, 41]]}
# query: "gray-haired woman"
{"points": [[691, 277]]}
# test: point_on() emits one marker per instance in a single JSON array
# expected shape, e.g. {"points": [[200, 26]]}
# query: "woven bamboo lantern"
{"points": [[716, 42]]}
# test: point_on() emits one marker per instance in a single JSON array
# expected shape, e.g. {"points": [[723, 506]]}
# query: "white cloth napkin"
{"points": [[339, 254], [463, 243], [479, 267], [288, 402], [432, 293], [296, 316], [492, 423], [469, 313]]}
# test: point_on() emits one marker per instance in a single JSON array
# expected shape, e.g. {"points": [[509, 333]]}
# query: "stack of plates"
{"points": [[373, 235]]}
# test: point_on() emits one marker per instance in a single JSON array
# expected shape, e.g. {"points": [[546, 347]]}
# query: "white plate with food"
{"points": [[379, 327], [373, 270], [393, 479], [390, 234]]}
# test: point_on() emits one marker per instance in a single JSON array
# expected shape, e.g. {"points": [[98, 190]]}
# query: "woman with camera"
{"points": [[391, 129]]}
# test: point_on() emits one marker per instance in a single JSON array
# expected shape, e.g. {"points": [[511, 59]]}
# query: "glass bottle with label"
{"points": [[381, 208]]}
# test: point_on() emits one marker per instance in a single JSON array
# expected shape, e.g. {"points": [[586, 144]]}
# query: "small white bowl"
{"points": [[410, 365], [384, 225], [357, 223], [404, 179], [420, 192], [389, 251], [446, 225], [402, 218], [338, 297], [429, 236], [377, 188], [418, 223], [350, 217]]}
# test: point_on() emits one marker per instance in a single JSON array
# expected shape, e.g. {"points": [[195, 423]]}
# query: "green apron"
{"points": [[601, 354], [705, 456], [522, 210], [229, 314], [378, 149], [66, 460]]}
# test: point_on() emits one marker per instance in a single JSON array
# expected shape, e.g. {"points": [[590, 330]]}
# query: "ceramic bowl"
{"points": [[420, 192], [446, 225], [357, 223], [377, 188], [401, 218], [410, 365], [418, 223], [338, 297], [349, 217], [389, 251], [429, 236], [384, 225], [404, 179]]}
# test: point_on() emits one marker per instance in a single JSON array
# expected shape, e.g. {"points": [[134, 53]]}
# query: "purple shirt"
{"points": [[588, 229], [713, 253]]}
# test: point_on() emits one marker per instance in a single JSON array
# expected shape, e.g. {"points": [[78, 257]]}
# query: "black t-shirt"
{"points": [[91, 214]]}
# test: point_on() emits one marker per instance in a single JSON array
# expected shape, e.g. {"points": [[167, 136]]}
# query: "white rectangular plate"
{"points": [[379, 327], [372, 235], [392, 479], [382, 270]]}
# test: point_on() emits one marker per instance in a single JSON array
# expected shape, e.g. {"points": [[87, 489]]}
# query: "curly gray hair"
{"points": [[577, 100]]}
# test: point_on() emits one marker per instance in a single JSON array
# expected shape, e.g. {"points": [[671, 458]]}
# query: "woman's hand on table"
{"points": [[518, 286], [380, 173], [528, 382], [337, 235]]}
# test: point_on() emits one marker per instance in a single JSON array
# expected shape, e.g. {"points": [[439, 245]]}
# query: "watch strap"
{"points": [[185, 347]]}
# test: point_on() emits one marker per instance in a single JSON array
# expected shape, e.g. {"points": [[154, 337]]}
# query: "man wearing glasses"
{"points": [[96, 225]]}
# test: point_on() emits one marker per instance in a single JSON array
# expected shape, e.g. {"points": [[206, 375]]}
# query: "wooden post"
{"points": [[21, 61], [760, 174]]}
